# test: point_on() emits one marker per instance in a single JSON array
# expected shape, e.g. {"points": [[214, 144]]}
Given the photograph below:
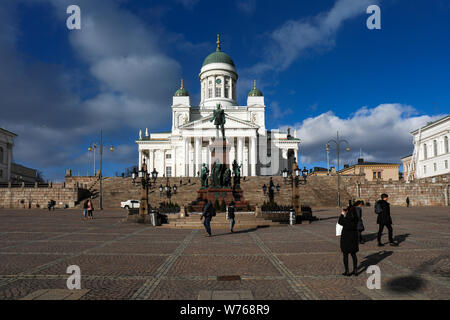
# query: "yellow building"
{"points": [[373, 171]]}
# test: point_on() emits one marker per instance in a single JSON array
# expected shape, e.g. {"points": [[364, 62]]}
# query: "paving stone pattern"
{"points": [[122, 260]]}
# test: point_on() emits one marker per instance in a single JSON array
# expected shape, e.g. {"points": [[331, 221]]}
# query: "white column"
{"points": [[252, 150], [164, 161], [240, 150], [9, 150], [174, 161], [197, 155], [140, 159], [185, 153], [232, 151]]}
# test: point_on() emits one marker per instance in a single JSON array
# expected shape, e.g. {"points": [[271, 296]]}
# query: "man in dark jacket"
{"points": [[231, 215], [207, 214], [382, 209]]}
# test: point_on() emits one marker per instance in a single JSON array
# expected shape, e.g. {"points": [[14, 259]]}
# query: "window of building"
{"points": [[379, 174], [168, 172], [227, 92], [435, 148], [218, 92], [446, 144], [425, 156], [168, 156], [374, 175], [435, 167], [446, 164], [1, 173], [210, 93], [1, 155], [424, 169]]}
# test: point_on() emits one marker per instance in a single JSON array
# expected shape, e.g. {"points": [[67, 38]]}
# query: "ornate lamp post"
{"points": [[327, 149], [145, 183], [285, 174], [91, 148], [338, 147], [154, 175], [264, 187]]}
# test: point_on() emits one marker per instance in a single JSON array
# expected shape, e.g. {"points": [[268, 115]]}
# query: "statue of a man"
{"points": [[215, 174], [237, 175], [227, 178], [204, 176], [219, 121]]}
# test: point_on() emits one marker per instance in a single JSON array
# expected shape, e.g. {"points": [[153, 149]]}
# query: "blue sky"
{"points": [[319, 67]]}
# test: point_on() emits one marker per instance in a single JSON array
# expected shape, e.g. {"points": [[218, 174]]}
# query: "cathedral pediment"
{"points": [[231, 123]]}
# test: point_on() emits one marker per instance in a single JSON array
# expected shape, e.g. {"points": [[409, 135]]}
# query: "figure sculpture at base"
{"points": [[237, 175]]}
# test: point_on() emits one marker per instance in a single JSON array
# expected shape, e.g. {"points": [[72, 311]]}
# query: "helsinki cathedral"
{"points": [[182, 151]]}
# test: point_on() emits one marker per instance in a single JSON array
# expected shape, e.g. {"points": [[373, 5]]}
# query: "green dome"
{"points": [[182, 92], [255, 93], [218, 57]]}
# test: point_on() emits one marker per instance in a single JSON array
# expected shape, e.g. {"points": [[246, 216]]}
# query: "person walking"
{"points": [[208, 212], [383, 210], [349, 238], [90, 209], [231, 215], [85, 209], [407, 202], [360, 227]]}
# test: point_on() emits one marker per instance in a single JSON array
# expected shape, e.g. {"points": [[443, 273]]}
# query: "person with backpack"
{"points": [[360, 227], [208, 213], [85, 209], [90, 209], [349, 238], [231, 215], [383, 210]]}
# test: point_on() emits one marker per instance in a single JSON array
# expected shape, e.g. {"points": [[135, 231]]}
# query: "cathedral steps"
{"points": [[318, 191]]}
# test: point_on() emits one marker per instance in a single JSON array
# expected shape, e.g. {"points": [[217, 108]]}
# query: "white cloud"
{"points": [[382, 132], [290, 40], [246, 6]]}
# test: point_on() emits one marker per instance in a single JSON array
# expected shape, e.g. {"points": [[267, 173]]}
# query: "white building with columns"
{"points": [[6, 154], [182, 151], [431, 149]]}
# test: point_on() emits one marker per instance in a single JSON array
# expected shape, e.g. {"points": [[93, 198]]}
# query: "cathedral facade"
{"points": [[182, 151]]}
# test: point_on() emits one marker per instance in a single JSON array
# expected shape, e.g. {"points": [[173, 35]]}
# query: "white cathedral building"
{"points": [[182, 151]]}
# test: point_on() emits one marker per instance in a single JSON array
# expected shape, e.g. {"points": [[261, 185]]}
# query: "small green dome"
{"points": [[182, 92], [255, 92]]}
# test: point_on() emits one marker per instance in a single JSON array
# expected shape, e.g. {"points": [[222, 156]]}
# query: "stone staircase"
{"points": [[318, 192], [244, 221]]}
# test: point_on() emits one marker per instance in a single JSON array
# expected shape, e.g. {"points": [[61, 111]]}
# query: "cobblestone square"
{"points": [[122, 260]]}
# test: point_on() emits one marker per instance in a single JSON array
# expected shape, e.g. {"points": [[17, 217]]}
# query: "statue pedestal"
{"points": [[221, 195], [220, 150]]}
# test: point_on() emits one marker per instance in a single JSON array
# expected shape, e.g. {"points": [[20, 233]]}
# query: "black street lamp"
{"points": [[285, 174], [264, 187], [338, 147], [160, 190], [278, 187], [175, 189], [145, 183], [154, 175], [92, 148]]}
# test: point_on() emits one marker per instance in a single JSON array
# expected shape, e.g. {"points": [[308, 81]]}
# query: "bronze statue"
{"points": [[204, 176], [216, 174], [237, 175], [219, 121], [227, 178]]}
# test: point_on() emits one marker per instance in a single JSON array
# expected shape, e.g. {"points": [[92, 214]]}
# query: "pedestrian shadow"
{"points": [[373, 259], [370, 237], [240, 231], [406, 284], [401, 238], [329, 218]]}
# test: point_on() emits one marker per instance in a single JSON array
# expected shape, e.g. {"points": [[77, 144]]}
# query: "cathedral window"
{"points": [[210, 95], [218, 92], [168, 172]]}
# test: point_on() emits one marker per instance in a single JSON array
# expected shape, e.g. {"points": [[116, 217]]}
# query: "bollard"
{"points": [[292, 217]]}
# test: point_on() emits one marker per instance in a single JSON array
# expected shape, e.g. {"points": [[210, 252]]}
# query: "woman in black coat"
{"points": [[349, 238]]}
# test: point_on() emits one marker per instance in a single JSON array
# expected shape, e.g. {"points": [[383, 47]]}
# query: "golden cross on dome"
{"points": [[218, 42]]}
